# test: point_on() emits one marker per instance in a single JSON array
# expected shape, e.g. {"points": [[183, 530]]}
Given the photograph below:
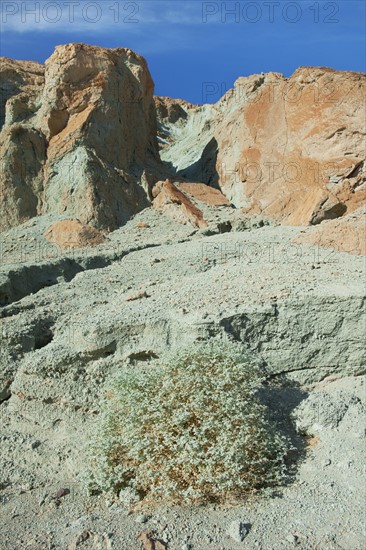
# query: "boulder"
{"points": [[172, 202], [203, 193], [347, 234], [68, 234]]}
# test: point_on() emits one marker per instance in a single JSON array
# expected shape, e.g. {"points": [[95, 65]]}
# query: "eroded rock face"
{"points": [[23, 153], [80, 138], [20, 85], [85, 142], [171, 110], [291, 149], [172, 115]]}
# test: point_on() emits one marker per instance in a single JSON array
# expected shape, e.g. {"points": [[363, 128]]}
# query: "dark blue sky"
{"points": [[193, 46]]}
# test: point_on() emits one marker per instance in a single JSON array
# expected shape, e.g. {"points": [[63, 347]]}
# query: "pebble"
{"points": [[83, 537], [62, 493], [142, 518], [136, 295], [237, 530], [43, 498], [292, 539]]}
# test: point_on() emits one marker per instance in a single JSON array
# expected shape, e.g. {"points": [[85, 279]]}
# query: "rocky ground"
{"points": [[70, 319], [106, 264], [322, 508]]}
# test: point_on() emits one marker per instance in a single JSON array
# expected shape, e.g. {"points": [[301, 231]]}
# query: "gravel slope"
{"points": [[299, 309]]}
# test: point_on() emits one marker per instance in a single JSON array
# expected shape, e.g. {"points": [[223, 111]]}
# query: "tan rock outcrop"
{"points": [[291, 149], [204, 193], [21, 82], [68, 234], [95, 127], [173, 203], [346, 234], [80, 138]]}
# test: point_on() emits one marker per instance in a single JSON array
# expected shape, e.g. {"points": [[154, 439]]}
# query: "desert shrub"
{"points": [[190, 429]]}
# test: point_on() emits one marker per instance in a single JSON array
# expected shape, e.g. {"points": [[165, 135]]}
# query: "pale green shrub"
{"points": [[190, 429]]}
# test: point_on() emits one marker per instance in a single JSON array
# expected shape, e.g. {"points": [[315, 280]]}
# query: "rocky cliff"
{"points": [[78, 306], [78, 136], [291, 149]]}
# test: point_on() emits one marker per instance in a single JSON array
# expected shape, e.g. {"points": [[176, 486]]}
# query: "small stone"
{"points": [[61, 493], [292, 539], [142, 518], [42, 500], [149, 542], [14, 513], [83, 537], [238, 530], [54, 503], [137, 296], [107, 539], [327, 462]]}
